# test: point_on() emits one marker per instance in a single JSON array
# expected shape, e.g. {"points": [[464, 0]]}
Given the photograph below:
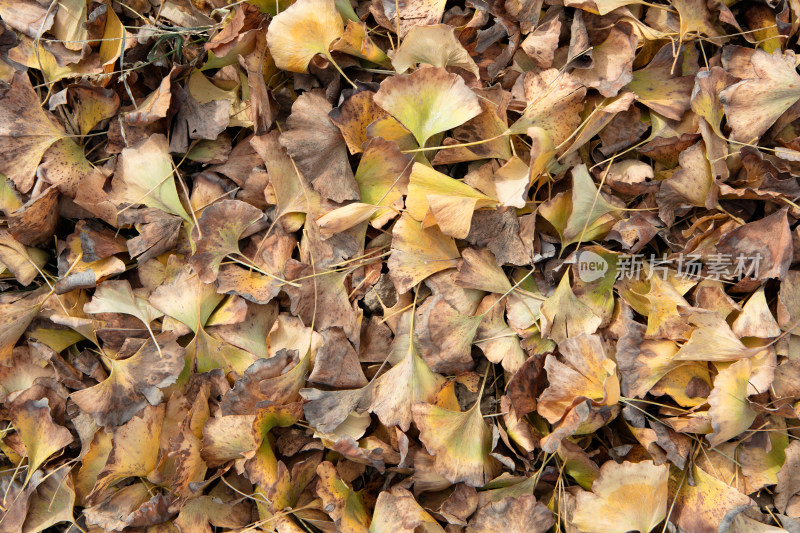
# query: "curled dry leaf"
{"points": [[133, 382]]}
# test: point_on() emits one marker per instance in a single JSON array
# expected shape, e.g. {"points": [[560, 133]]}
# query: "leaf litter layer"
{"points": [[399, 267]]}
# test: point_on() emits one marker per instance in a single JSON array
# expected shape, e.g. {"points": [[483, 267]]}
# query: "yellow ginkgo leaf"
{"points": [[589, 208], [729, 409], [305, 29], [135, 448], [345, 217], [382, 178], [712, 340], [663, 318], [496, 340], [754, 104], [116, 296], [756, 319], [434, 45], [626, 497], [145, 176], [186, 299], [447, 201], [39, 434], [585, 373], [428, 101], [460, 442], [344, 506], [478, 269], [511, 183], [409, 381], [555, 100], [356, 42], [418, 253], [396, 511], [702, 504], [563, 315]]}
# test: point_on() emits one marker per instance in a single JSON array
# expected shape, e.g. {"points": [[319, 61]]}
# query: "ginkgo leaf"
{"points": [[541, 43], [409, 381], [15, 317], [92, 105], [228, 438], [588, 206], [434, 45], [754, 104], [444, 333], [701, 505], [695, 17], [554, 102], [460, 442], [332, 308], [511, 183], [449, 202], [133, 382], [327, 410], [396, 511], [208, 352], [756, 319], [600, 7], [612, 66], [52, 502], [263, 465], [693, 184], [382, 178], [26, 134], [318, 148], [664, 320], [642, 363], [729, 409], [186, 299], [514, 515], [305, 29], [292, 192], [135, 448], [344, 506], [221, 507], [478, 269], [428, 101], [356, 42], [563, 315], [345, 217], [496, 340], [145, 176], [659, 90], [626, 497], [418, 253], [712, 340], [587, 372], [219, 229], [41, 436], [114, 296], [251, 333], [20, 260]]}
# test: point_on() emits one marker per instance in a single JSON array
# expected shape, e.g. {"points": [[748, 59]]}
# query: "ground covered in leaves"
{"points": [[415, 266]]}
